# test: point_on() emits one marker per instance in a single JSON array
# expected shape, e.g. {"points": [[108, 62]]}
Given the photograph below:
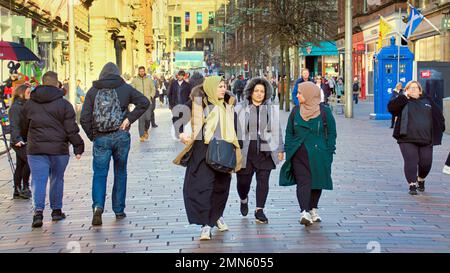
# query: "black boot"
{"points": [[97, 217], [58, 215], [37, 219], [25, 193], [413, 188], [16, 194]]}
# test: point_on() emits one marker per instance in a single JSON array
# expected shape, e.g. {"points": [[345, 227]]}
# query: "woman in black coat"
{"points": [[19, 141], [205, 189], [420, 125]]}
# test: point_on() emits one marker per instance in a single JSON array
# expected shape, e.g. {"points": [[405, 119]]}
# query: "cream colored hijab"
{"points": [[311, 108], [221, 112]]}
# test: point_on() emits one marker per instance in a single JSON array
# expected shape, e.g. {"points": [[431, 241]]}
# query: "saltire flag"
{"points": [[414, 20]]}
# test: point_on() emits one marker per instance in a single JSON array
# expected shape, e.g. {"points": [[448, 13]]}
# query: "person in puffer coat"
{"points": [[262, 141]]}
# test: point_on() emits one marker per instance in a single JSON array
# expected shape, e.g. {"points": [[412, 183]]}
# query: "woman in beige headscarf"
{"points": [[309, 147], [205, 190]]}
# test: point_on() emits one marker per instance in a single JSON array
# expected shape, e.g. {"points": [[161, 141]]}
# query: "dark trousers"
{"points": [[152, 109], [448, 160], [417, 159], [355, 98], [262, 185], [307, 198], [392, 121], [22, 173]]}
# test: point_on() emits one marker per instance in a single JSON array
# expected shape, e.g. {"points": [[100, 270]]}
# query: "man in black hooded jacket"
{"points": [[49, 125], [115, 142]]}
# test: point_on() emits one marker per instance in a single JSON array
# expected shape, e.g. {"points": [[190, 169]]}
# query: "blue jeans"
{"points": [[42, 167], [117, 145]]}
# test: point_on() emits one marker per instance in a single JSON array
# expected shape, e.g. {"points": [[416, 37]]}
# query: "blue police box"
{"points": [[385, 76]]}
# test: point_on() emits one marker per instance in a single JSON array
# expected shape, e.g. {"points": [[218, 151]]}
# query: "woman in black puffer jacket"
{"points": [[420, 125]]}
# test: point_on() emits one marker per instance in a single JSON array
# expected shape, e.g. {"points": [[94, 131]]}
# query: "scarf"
{"points": [[311, 108]]}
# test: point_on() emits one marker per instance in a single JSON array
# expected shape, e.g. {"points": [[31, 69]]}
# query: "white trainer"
{"points": [[315, 216], [221, 225], [446, 169], [206, 233], [305, 218]]}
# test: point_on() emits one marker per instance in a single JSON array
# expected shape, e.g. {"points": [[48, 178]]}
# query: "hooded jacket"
{"points": [[110, 79], [271, 137], [17, 121], [50, 123]]}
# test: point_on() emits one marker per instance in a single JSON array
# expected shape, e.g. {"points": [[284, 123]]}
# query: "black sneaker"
{"points": [[154, 126], [120, 216], [25, 193], [244, 208], [421, 186], [97, 217], [16, 194], [58, 215], [413, 189], [261, 217], [37, 219]]}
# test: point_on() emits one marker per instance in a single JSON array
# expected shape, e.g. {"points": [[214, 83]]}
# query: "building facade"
{"points": [[426, 43]]}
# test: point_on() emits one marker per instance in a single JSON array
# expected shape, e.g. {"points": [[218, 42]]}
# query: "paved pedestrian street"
{"points": [[369, 210]]}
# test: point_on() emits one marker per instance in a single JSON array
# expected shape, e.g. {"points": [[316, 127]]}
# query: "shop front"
{"points": [[321, 59]]}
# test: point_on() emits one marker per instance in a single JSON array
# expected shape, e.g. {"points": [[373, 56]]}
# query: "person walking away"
{"points": [[145, 85], [79, 100], [356, 89], [397, 91], [50, 126], [206, 189], [106, 121], [310, 143], [239, 87], [340, 88], [19, 141], [179, 92], [420, 126], [304, 78], [263, 145]]}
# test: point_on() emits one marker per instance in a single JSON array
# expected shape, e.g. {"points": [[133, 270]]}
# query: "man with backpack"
{"points": [[106, 121]]}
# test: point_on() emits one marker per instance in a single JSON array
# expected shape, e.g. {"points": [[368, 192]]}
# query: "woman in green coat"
{"points": [[309, 147]]}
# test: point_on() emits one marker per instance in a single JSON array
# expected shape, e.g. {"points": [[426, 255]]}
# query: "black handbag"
{"points": [[221, 156]]}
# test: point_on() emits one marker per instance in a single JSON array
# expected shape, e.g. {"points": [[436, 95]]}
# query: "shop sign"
{"points": [[60, 36], [425, 74], [45, 37]]}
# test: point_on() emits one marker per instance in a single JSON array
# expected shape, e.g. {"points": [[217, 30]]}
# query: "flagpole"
{"points": [[426, 19], [398, 46]]}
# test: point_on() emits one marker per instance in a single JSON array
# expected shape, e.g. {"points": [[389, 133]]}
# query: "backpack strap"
{"points": [[292, 116], [323, 113]]}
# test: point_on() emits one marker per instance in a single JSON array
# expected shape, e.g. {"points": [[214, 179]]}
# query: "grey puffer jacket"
{"points": [[270, 133]]}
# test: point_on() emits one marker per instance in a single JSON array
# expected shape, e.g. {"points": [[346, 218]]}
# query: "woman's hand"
{"points": [[184, 138], [281, 156]]}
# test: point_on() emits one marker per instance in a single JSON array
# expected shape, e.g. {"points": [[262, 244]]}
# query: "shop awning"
{"points": [[327, 48]]}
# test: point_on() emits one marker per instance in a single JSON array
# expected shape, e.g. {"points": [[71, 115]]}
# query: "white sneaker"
{"points": [[206, 233], [305, 218], [315, 216], [221, 225], [446, 169]]}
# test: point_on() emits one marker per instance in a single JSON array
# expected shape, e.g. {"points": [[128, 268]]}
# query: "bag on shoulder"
{"points": [[107, 114], [355, 87], [221, 156]]}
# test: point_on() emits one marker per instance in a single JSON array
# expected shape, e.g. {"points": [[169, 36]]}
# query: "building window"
{"points": [[199, 21], [177, 32], [428, 49], [211, 18]]}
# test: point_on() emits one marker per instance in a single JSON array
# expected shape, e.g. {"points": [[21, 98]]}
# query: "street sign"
{"points": [[425, 74]]}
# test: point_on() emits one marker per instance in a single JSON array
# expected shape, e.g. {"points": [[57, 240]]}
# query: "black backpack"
{"points": [[355, 87], [107, 114], [323, 114]]}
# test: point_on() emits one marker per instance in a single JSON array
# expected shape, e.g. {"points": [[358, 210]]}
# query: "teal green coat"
{"points": [[320, 150]]}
